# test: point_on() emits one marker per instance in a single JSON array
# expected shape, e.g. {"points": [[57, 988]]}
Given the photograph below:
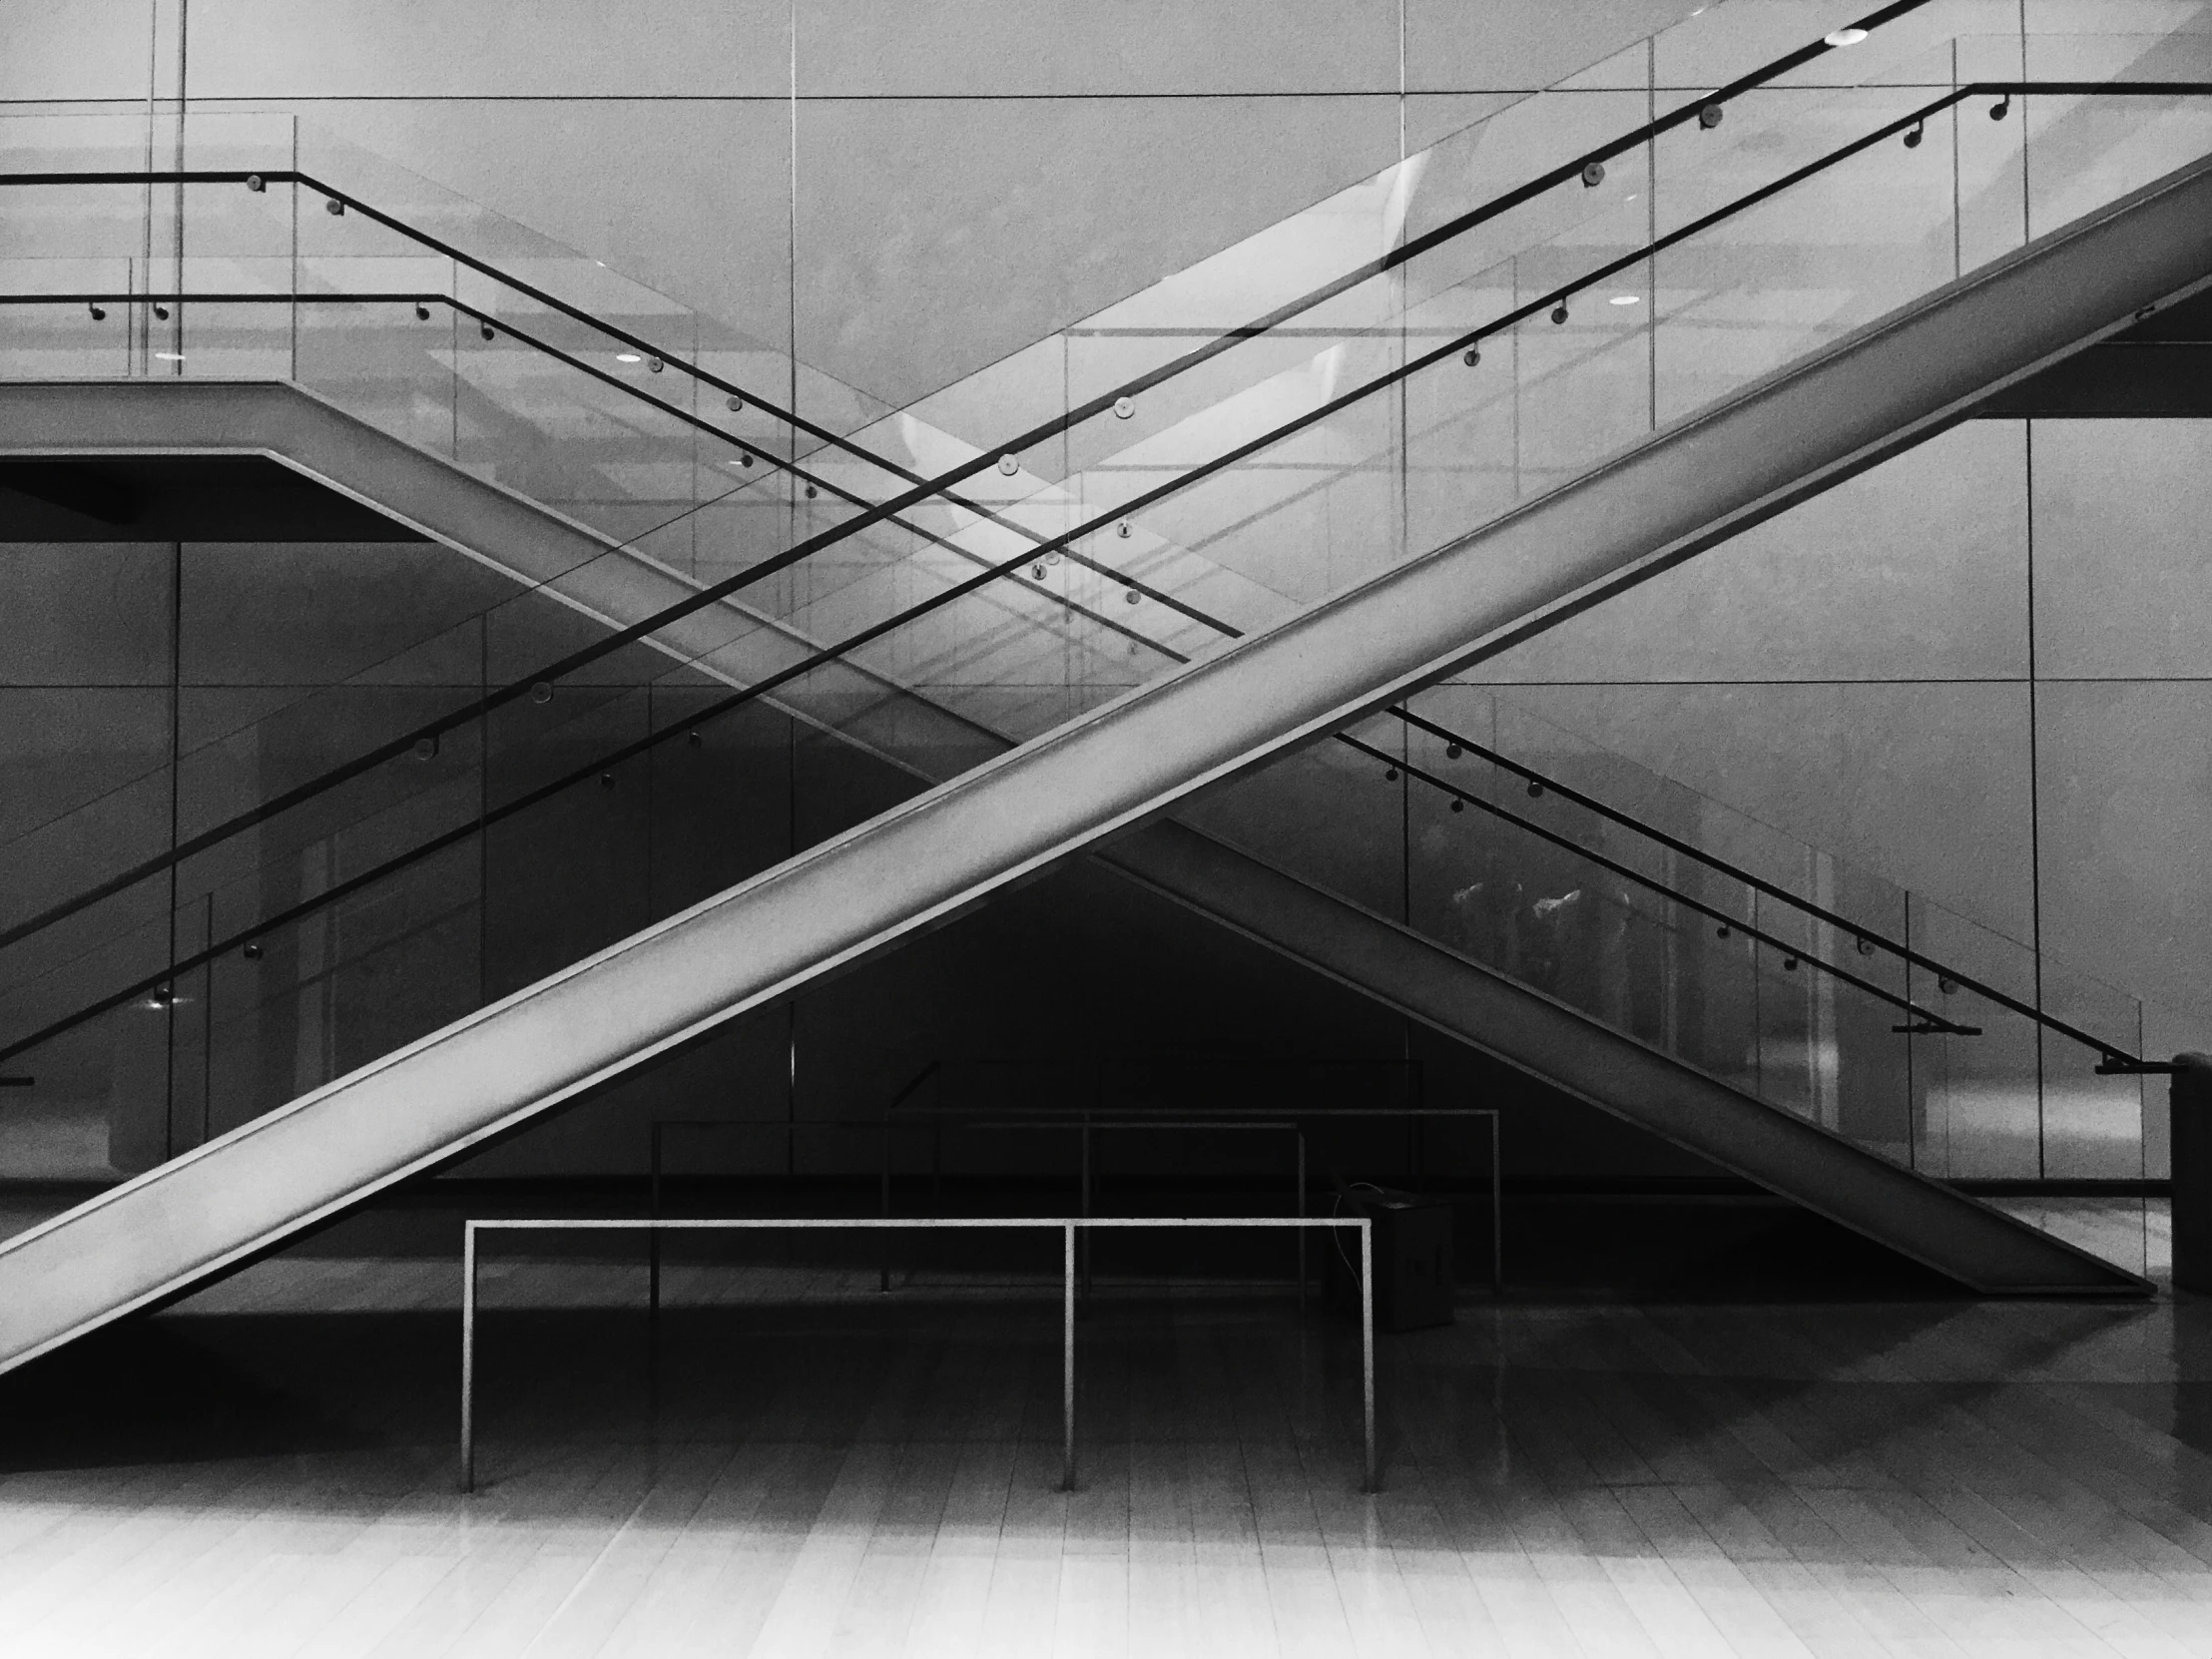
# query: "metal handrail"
{"points": [[1794, 954], [2115, 1059]]}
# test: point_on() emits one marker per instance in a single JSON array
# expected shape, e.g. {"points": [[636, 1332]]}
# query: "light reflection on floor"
{"points": [[806, 1466]]}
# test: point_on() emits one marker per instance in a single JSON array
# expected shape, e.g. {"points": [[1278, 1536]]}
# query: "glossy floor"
{"points": [[798, 1465]]}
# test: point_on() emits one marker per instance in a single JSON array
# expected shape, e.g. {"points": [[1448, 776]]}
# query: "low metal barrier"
{"points": [[1068, 1224]]}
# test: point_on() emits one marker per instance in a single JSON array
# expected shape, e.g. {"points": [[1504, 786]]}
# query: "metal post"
{"points": [[653, 1237], [469, 1357], [883, 1258], [1067, 1362], [1300, 1135], [1497, 1212], [1085, 1211], [1367, 1343]]}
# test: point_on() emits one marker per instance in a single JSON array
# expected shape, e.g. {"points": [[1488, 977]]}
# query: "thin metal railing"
{"points": [[1068, 1225], [2113, 1060]]}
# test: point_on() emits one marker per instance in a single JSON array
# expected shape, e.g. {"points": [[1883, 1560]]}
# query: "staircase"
{"points": [[1120, 762]]}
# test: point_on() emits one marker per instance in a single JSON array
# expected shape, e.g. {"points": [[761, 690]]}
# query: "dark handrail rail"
{"points": [[1906, 1004], [836, 652], [1735, 873]]}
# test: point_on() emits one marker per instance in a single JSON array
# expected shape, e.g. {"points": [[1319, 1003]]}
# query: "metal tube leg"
{"points": [[1086, 1209], [468, 1358], [1498, 1214], [1067, 1362], [1367, 1345], [653, 1239]]}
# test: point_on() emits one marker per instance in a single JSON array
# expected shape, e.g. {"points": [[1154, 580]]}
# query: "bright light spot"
{"points": [[1622, 300], [1845, 37], [170, 356], [628, 358]]}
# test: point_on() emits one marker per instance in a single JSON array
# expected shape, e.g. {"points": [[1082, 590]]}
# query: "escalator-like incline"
{"points": [[1684, 488]]}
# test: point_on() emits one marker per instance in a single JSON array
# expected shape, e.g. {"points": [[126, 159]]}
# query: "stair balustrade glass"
{"points": [[1817, 989]]}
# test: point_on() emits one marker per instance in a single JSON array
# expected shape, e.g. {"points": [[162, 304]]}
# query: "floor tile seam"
{"points": [[2128, 1493], [1822, 1625], [1273, 1545], [390, 1562], [1686, 1598], [1737, 1410], [399, 1568], [751, 1562], [1917, 1584], [1545, 1562], [913, 1564], [2127, 1499], [1866, 1589], [1786, 1415], [1791, 1610], [215, 1627], [2000, 1568], [1614, 1400], [1879, 1543], [2128, 1615], [501, 1553], [2105, 1405], [1449, 1507], [120, 1617], [698, 1561], [1563, 1412], [609, 1550], [170, 1526], [2064, 1553]]}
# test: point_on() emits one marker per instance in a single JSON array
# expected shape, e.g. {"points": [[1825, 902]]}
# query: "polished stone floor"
{"points": [[798, 1465]]}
